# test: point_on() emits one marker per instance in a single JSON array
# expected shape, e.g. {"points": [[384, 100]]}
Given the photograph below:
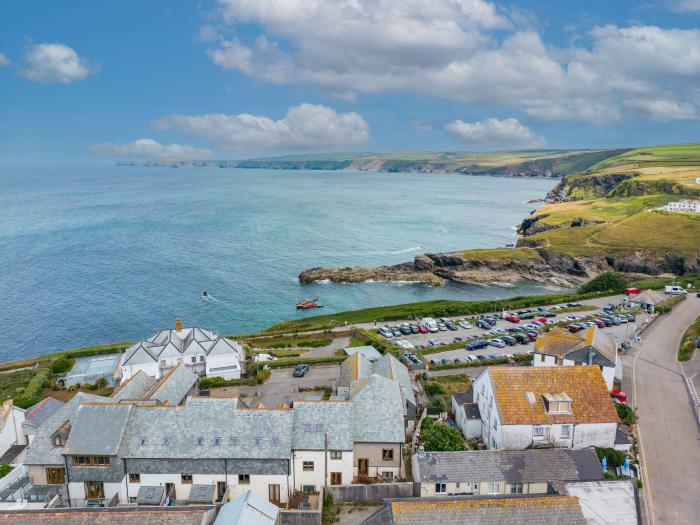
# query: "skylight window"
{"points": [[200, 441], [319, 427], [166, 441], [530, 397], [234, 441], [307, 427], [275, 441], [258, 441], [217, 441], [142, 442]]}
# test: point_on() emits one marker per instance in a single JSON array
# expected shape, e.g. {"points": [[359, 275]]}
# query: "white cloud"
{"points": [[464, 50], [506, 133], [54, 63], [150, 149], [304, 127], [4, 61], [686, 5], [663, 109]]}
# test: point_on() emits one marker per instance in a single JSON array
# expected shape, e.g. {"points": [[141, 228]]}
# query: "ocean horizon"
{"points": [[100, 254]]}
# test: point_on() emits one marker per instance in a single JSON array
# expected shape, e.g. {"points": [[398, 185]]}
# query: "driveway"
{"points": [[668, 428]]}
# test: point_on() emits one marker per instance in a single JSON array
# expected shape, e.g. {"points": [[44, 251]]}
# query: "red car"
{"points": [[620, 396], [632, 291], [600, 323], [513, 318], [422, 329], [532, 336]]}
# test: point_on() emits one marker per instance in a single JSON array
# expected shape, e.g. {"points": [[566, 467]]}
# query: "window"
{"points": [[90, 461], [457, 485], [134, 478], [234, 441], [336, 478], [440, 488], [217, 441], [244, 479], [540, 431], [200, 441], [336, 454], [308, 489], [201, 358], [388, 454], [273, 493], [55, 475], [275, 441], [387, 474], [257, 441], [319, 427], [494, 488], [516, 488], [58, 441], [94, 490], [166, 442], [142, 442], [186, 477], [476, 397], [566, 431], [308, 466], [194, 358]]}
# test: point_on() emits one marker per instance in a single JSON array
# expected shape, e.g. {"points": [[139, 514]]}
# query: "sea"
{"points": [[98, 254]]}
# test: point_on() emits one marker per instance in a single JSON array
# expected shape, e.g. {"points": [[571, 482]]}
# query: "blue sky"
{"points": [[82, 81]]}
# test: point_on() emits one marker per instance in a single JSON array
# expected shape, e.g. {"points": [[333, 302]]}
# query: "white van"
{"points": [[674, 290], [430, 324]]}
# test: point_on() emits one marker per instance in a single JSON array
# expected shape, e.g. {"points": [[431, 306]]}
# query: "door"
{"points": [[336, 478], [55, 475], [274, 493], [170, 491], [220, 490], [363, 467], [94, 490]]}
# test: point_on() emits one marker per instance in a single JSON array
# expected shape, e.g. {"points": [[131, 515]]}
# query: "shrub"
{"points": [[436, 405], [434, 389], [215, 382], [37, 383], [440, 437], [60, 365], [615, 458], [261, 375], [25, 402], [605, 282], [4, 470], [626, 413]]}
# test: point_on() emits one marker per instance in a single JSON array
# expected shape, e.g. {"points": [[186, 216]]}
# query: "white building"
{"points": [[544, 407], [467, 414], [587, 347], [685, 205], [11, 434], [202, 351]]}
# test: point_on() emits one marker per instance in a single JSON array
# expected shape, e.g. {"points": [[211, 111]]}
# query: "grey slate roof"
{"points": [[97, 429], [314, 418], [368, 351], [463, 397], [509, 466], [42, 450], [207, 431], [173, 388], [355, 368], [150, 495], [247, 509], [201, 494], [193, 515], [136, 387], [378, 412], [524, 510], [391, 368], [35, 415]]}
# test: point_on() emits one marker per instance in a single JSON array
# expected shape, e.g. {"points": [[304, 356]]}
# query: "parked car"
{"points": [[619, 396], [483, 324], [414, 328], [674, 290], [523, 339], [458, 339], [422, 329], [513, 318], [490, 320], [386, 332], [510, 341], [442, 327], [532, 336], [451, 326], [515, 329], [600, 323], [498, 343], [465, 324], [433, 343], [607, 320], [300, 370], [395, 330], [405, 329], [549, 314], [472, 358], [477, 345], [527, 315], [574, 327]]}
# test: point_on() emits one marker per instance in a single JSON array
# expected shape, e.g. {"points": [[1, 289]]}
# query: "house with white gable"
{"points": [[587, 347], [545, 407], [201, 351]]}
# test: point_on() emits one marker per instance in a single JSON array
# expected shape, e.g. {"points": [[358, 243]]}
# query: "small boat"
{"points": [[306, 304], [205, 294]]}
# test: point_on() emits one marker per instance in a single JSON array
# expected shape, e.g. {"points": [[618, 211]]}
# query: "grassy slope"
{"points": [[627, 222]]}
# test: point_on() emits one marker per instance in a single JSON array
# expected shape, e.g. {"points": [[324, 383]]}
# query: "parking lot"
{"points": [[619, 333]]}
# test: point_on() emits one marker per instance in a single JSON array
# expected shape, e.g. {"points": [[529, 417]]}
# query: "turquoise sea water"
{"points": [[91, 255]]}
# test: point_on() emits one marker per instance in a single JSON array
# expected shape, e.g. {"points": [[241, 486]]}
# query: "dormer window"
{"points": [[557, 403], [58, 441]]}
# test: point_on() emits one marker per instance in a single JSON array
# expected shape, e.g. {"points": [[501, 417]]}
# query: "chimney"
{"points": [[178, 324]]}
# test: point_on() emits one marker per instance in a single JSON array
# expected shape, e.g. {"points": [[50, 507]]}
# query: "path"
{"points": [[668, 428]]}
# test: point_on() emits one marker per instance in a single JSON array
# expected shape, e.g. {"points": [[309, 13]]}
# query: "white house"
{"points": [[203, 352], [544, 407], [11, 434], [685, 205], [587, 347], [467, 414]]}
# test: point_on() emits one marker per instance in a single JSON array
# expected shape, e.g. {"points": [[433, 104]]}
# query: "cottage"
{"points": [[467, 414], [203, 352], [35, 415], [550, 406], [646, 301], [12, 438], [587, 347], [368, 351], [684, 206], [493, 472]]}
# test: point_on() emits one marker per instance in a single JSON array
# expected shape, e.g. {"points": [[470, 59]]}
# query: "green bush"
{"points": [[37, 383], [438, 437], [615, 458], [436, 405], [216, 382], [26, 402], [61, 365], [4, 470], [626, 413], [434, 389], [605, 282], [261, 375]]}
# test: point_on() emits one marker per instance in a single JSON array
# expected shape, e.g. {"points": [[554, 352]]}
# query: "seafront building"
{"points": [[684, 206], [203, 352]]}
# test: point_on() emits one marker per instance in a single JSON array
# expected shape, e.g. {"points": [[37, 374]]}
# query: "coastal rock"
{"points": [[402, 272]]}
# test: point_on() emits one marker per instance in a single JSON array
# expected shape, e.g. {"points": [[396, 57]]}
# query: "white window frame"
{"points": [[441, 488], [495, 487], [566, 431], [540, 431]]}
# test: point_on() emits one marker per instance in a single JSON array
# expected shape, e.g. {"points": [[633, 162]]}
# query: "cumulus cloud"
{"points": [[150, 149], [54, 63], [304, 127], [4, 61], [469, 51], [506, 133], [686, 5]]}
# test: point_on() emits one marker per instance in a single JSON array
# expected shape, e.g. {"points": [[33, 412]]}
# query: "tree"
{"points": [[605, 282], [626, 413], [440, 437]]}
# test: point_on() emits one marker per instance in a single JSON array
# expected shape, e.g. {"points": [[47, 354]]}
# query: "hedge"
{"points": [[37, 383], [216, 382], [519, 358], [24, 402], [666, 306]]}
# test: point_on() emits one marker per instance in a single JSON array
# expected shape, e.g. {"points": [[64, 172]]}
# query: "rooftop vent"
{"points": [[530, 397], [234, 441], [178, 324], [142, 442]]}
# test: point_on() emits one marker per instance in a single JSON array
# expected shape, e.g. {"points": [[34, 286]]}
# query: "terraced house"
{"points": [[545, 407]]}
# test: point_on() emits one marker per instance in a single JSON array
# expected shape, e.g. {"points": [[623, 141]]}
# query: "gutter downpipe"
{"points": [[65, 464]]}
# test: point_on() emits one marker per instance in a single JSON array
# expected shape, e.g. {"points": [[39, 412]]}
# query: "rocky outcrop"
{"points": [[354, 274], [576, 187]]}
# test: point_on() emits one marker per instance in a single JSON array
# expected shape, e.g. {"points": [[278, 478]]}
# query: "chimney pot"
{"points": [[178, 324]]}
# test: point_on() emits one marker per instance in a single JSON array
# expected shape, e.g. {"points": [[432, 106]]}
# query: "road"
{"points": [[668, 428]]}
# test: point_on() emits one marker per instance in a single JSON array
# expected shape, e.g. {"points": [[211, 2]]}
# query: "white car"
{"points": [[498, 343], [402, 343], [465, 324], [385, 331], [472, 358], [261, 358]]}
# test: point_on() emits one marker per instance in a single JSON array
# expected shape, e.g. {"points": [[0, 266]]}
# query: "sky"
{"points": [[86, 81]]}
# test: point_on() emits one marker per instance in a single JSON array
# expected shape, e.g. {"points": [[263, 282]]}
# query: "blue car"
{"points": [[477, 345]]}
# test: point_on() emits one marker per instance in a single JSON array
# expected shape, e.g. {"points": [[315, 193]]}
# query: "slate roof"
{"points": [[110, 516], [207, 431], [174, 386], [314, 418], [604, 502], [562, 343], [42, 450], [201, 494], [648, 297], [590, 399], [368, 351], [136, 387], [247, 509], [378, 410], [150, 495], [463, 397], [391, 368], [97, 429], [35, 415], [174, 343], [509, 466], [355, 368], [527, 510]]}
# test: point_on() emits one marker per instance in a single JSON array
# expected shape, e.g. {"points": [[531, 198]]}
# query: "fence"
{"points": [[299, 517], [370, 493]]}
